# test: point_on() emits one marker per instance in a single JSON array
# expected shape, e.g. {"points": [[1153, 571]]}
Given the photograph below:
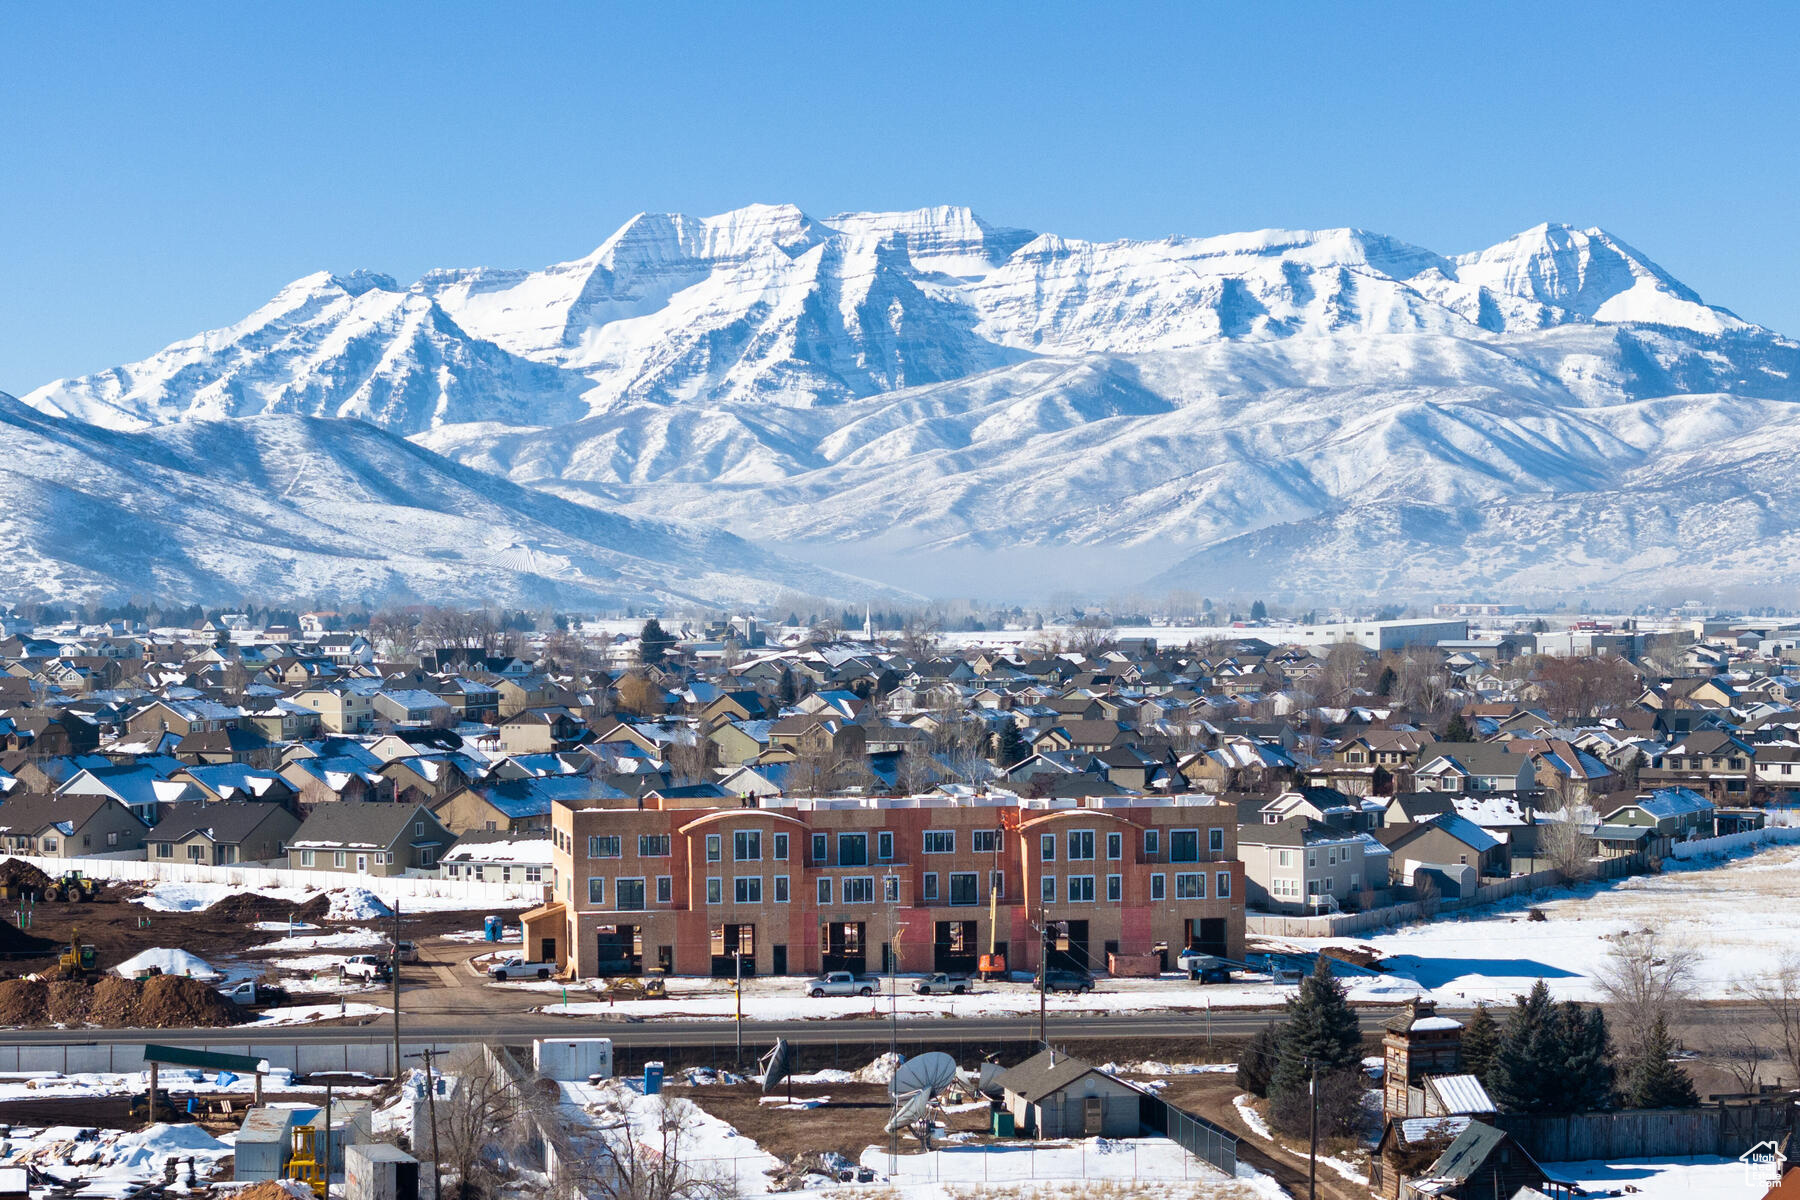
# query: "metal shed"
{"points": [[1052, 1095], [264, 1143]]}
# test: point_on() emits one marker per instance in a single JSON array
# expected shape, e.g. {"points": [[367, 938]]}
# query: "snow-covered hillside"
{"points": [[297, 508], [1329, 411]]}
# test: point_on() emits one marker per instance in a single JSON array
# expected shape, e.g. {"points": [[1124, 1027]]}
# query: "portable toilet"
{"points": [[653, 1078], [264, 1142], [379, 1171], [491, 927]]}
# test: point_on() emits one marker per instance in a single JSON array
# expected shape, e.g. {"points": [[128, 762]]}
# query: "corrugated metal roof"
{"points": [[1461, 1093]]}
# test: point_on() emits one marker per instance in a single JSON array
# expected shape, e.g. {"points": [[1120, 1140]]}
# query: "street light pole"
{"points": [[737, 985], [1312, 1161]]}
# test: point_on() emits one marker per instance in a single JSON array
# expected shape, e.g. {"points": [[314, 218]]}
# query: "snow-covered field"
{"points": [[1737, 914], [1066, 1167], [1663, 1179]]}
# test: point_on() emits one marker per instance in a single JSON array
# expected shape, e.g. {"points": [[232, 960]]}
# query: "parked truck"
{"points": [[519, 967], [839, 983]]}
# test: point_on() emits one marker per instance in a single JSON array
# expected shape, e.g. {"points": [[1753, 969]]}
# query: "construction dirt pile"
{"points": [[67, 1002], [160, 1002], [251, 907], [15, 942], [23, 1002], [274, 1190], [21, 875]]}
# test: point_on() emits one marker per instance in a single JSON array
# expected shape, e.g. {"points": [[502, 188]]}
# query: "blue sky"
{"points": [[166, 168]]}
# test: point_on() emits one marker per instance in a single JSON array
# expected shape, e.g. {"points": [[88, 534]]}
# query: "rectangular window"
{"points": [[746, 889], [884, 846], [781, 844], [940, 841], [1215, 840], [306, 858], [604, 846], [1158, 886], [824, 889], [890, 889], [337, 858], [1115, 846], [1115, 888], [596, 889], [715, 890], [818, 849], [1081, 889], [1190, 886], [997, 884], [746, 845], [167, 850], [965, 887], [112, 838], [1184, 845], [194, 853], [985, 841], [931, 886], [715, 847], [781, 889], [534, 874], [1284, 858], [665, 889], [1047, 847], [628, 895], [1081, 845], [1223, 885], [853, 849], [653, 845], [1152, 842], [1047, 889]]}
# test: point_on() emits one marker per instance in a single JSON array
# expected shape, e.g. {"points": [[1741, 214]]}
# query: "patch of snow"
{"points": [[169, 962], [1252, 1118]]}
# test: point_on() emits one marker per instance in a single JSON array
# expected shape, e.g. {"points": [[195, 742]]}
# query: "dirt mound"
{"points": [[250, 907], [17, 874], [168, 1001], [15, 941], [272, 1190], [1356, 956], [23, 1002], [67, 1002], [115, 1002]]}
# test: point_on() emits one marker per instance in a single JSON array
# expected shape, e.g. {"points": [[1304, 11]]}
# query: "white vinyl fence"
{"points": [[388, 887], [1749, 839]]}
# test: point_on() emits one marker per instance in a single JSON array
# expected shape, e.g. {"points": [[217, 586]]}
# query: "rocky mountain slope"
{"points": [[296, 508], [1314, 412]]}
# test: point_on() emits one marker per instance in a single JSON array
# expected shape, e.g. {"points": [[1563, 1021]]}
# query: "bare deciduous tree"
{"points": [[475, 1124], [1645, 978], [634, 1154], [1777, 994], [1569, 850]]}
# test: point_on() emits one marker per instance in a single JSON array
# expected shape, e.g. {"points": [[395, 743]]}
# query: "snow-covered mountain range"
{"points": [[1331, 412], [298, 508]]}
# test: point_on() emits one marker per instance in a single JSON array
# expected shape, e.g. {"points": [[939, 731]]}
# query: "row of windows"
{"points": [[853, 848], [1189, 885], [1333, 856], [628, 894], [479, 871]]}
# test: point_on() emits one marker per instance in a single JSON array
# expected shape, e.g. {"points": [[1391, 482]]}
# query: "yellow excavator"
{"points": [[77, 957]]}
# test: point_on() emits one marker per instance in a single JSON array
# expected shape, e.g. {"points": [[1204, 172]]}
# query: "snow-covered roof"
{"points": [[1461, 1093], [1429, 1024]]}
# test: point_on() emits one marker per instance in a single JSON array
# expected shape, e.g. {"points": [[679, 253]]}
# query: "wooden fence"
{"points": [[1726, 1129]]}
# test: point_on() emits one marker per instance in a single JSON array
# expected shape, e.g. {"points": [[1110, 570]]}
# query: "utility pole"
{"points": [[394, 963], [437, 1180], [1312, 1161], [1043, 984]]}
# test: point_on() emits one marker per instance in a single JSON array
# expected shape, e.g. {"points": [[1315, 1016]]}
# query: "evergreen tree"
{"points": [[1321, 1032], [1526, 1075], [1009, 745], [1653, 1080], [1257, 1063], [784, 691], [653, 643], [1586, 1058], [1458, 730], [1259, 611], [1384, 686], [1480, 1044]]}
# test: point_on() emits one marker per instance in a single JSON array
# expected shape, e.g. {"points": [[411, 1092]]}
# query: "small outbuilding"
{"points": [[379, 1171], [1052, 1095]]}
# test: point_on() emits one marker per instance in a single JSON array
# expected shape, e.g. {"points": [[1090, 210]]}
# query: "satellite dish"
{"points": [[990, 1076], [776, 1065], [929, 1073], [913, 1107]]}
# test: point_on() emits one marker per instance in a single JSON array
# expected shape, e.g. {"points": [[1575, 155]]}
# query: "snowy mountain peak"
{"points": [[359, 281], [1592, 275]]}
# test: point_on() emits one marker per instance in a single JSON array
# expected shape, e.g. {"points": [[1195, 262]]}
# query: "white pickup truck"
{"points": [[839, 983], [517, 967], [370, 968]]}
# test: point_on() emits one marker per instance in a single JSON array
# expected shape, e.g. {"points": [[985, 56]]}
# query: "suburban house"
{"points": [[70, 826], [1670, 814], [1300, 865], [500, 857], [369, 839], [142, 787], [1448, 839], [521, 805], [1473, 767], [220, 833]]}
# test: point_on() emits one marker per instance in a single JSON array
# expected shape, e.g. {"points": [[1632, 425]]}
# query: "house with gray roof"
{"points": [[221, 833], [1052, 1095], [70, 826], [370, 838]]}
